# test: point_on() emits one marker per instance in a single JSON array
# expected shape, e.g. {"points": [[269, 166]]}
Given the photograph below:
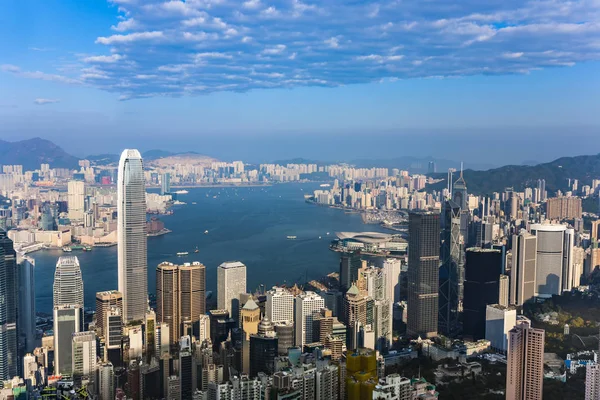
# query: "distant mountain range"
{"points": [[31, 153], [556, 173]]}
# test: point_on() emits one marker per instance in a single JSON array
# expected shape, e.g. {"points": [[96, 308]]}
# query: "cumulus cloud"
{"points": [[177, 48], [41, 102]]}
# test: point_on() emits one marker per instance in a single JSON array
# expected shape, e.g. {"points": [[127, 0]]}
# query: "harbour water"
{"points": [[247, 224]]}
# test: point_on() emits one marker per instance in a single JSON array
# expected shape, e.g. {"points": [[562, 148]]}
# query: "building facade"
{"points": [[525, 362], [231, 282]]}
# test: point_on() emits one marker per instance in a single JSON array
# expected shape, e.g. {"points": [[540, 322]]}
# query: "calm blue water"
{"points": [[245, 224]]}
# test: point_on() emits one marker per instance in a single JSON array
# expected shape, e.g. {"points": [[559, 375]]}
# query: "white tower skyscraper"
{"points": [[131, 227], [307, 305], [280, 305], [231, 282], [76, 200]]}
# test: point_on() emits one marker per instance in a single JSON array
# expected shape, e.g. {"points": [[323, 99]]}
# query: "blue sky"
{"points": [[494, 81]]}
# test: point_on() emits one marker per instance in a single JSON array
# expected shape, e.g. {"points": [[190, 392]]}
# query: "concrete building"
{"points": [[525, 362], [280, 305], [104, 301], [524, 266], [306, 305], [76, 200], [250, 318], [231, 282], [392, 270], [499, 320], [423, 274], [67, 321], [131, 232], [192, 292], [592, 381], [106, 386], [167, 298], [84, 354], [554, 267], [560, 208]]}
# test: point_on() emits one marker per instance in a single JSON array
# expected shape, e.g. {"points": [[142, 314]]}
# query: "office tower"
{"points": [[322, 325], [451, 274], [391, 269], [499, 320], [163, 340], [350, 263], [504, 290], [595, 230], [84, 354], [383, 318], [131, 231], [231, 282], [306, 305], [106, 386], [592, 381], [104, 301], [356, 308], [165, 183], [333, 301], [167, 298], [423, 274], [285, 337], [192, 292], [554, 258], [113, 334], [280, 305], [523, 271], [76, 200], [483, 268], [68, 283], [563, 208], [203, 328], [30, 369], [525, 362], [187, 369], [542, 189], [26, 309], [570, 277], [250, 318], [8, 309], [459, 192], [263, 349], [67, 321]]}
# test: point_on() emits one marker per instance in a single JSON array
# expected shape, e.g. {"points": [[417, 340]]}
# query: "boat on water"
{"points": [[324, 185], [193, 202], [206, 232], [87, 248], [292, 237], [181, 192], [67, 249], [196, 251], [182, 253]]}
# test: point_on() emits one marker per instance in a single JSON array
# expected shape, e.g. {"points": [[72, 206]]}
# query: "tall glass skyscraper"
{"points": [[68, 283], [131, 209], [9, 291]]}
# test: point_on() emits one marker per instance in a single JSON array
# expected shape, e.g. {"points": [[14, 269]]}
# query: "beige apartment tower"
{"points": [[525, 362]]}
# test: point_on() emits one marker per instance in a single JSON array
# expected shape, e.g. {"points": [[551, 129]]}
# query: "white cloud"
{"points": [[513, 55], [252, 4], [41, 102], [277, 49], [113, 58], [332, 42], [132, 37], [125, 25]]}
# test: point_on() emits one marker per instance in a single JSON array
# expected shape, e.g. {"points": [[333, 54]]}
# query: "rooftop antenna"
{"points": [[461, 169]]}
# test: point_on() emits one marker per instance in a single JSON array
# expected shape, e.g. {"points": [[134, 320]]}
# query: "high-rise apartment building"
{"points": [[523, 271], [165, 183], [132, 241], [280, 305], [525, 362], [104, 301], [9, 291], [106, 386], [592, 381], [392, 269], [483, 269], [76, 200], [67, 321], [563, 208], [554, 266], [84, 354], [423, 274], [231, 282], [306, 306]]}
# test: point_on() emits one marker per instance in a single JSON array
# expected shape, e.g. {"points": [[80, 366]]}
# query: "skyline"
{"points": [[476, 71]]}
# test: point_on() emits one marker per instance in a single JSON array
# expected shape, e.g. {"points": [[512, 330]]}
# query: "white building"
{"points": [[592, 382], [106, 388], [280, 305], [68, 283], [554, 272], [231, 282], [76, 200], [30, 367], [499, 320], [84, 354], [306, 305], [204, 328], [392, 269], [131, 231]]}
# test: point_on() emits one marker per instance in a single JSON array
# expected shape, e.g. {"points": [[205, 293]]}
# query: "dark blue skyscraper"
{"points": [[9, 294]]}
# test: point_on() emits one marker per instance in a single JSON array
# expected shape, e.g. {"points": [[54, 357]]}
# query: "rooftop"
{"points": [[232, 264]]}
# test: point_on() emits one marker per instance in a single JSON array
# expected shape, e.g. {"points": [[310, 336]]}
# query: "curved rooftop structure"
{"points": [[365, 237]]}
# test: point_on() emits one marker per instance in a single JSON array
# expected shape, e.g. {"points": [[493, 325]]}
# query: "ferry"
{"points": [[67, 249], [292, 237], [325, 185], [206, 232], [181, 192], [182, 253]]}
